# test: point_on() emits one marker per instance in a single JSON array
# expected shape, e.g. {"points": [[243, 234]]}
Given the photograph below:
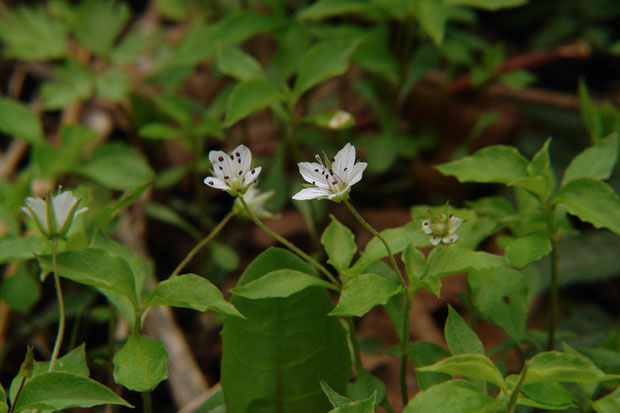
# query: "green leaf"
{"points": [[58, 391], [339, 243], [334, 397], [549, 396], [133, 45], [414, 265], [235, 63], [491, 5], [297, 344], [105, 216], [4, 407], [191, 291], [424, 353], [525, 250], [322, 61], [279, 283], [432, 15], [20, 248], [20, 290], [553, 366], [423, 60], [29, 33], [541, 179], [596, 162], [517, 79], [455, 258], [608, 404], [500, 295], [456, 396], [475, 366], [498, 163], [72, 82], [17, 120], [323, 9], [362, 293], [397, 238], [112, 85], [72, 362], [358, 406], [374, 55], [592, 201], [365, 385], [99, 22], [248, 97], [460, 338], [157, 131], [166, 214], [141, 364], [117, 166]]}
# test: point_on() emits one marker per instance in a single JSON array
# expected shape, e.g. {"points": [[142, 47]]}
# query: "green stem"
{"points": [[61, 306], [356, 346], [146, 402], [404, 343], [553, 295], [512, 402], [288, 244], [204, 242]]}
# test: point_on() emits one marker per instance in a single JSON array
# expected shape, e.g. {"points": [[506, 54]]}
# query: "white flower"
{"points": [[332, 181], [256, 202], [233, 172], [340, 119], [53, 217], [442, 228]]}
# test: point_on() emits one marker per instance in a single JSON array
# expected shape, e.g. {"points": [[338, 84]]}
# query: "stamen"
{"points": [[240, 172], [316, 170], [221, 158], [237, 153], [232, 157], [227, 177], [210, 183]]}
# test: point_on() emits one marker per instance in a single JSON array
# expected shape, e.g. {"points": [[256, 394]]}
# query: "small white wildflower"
{"points": [[53, 215], [442, 228], [232, 172], [331, 180], [340, 119], [256, 202]]}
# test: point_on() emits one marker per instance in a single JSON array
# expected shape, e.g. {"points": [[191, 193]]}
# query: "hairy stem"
{"points": [[202, 243], [289, 245], [61, 306]]}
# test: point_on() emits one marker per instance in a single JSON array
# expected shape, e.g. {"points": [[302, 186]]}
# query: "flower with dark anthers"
{"points": [[331, 180], [442, 228], [232, 172]]}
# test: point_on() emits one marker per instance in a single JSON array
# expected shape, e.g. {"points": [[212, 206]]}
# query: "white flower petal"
{"points": [[426, 227], [435, 240], [242, 159], [311, 193], [450, 238], [39, 208], [79, 211], [216, 183], [251, 176], [354, 174], [63, 203], [221, 164], [312, 173], [344, 160], [453, 223]]}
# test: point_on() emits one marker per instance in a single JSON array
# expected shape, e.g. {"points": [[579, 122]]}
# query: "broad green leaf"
{"points": [[323, 61], [432, 15], [475, 366], [166, 214], [541, 179], [133, 45], [609, 403], [498, 163], [596, 162], [59, 390], [4, 407], [339, 243], [159, 131], [293, 43], [112, 85], [285, 345], [29, 33], [117, 166], [334, 397], [374, 55], [191, 291], [362, 293], [454, 259], [423, 60], [593, 201], [424, 353], [525, 250], [208, 126], [456, 396], [20, 290], [328, 8], [248, 97], [141, 364], [549, 396], [491, 5], [236, 28], [460, 338], [500, 296], [176, 107], [50, 161], [397, 238], [99, 22], [365, 385], [235, 63], [279, 283], [414, 266], [358, 406], [553, 366], [105, 216], [17, 120], [20, 248], [71, 82]]}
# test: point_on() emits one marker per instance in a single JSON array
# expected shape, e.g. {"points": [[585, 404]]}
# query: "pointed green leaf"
{"points": [[525, 250], [456, 396], [424, 353], [552, 366], [159, 131], [475, 366], [596, 162], [541, 179], [500, 295], [191, 291], [99, 22], [59, 390], [235, 63], [248, 97], [548, 396], [4, 407], [460, 338], [362, 293], [334, 397], [71, 82], [432, 15], [339, 243], [322, 9], [358, 406], [498, 163], [365, 385], [491, 5], [593, 201], [17, 120], [397, 238], [455, 258], [609, 403], [285, 345], [280, 283], [141, 364]]}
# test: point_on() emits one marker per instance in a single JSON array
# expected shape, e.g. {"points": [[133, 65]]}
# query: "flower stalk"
{"points": [[61, 306]]}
